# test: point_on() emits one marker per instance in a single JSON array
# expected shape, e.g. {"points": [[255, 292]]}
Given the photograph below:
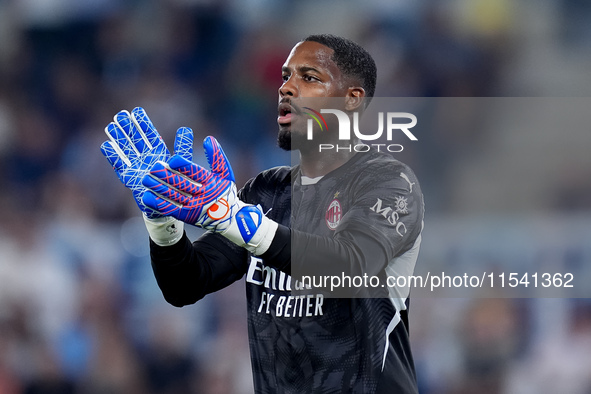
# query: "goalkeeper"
{"points": [[336, 212]]}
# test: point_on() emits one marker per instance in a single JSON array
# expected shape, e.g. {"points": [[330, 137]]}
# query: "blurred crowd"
{"points": [[80, 311]]}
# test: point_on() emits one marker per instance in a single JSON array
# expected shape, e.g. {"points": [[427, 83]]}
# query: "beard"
{"points": [[284, 139], [288, 140]]}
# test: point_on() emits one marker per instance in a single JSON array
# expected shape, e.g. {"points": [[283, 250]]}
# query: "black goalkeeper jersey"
{"points": [[363, 219]]}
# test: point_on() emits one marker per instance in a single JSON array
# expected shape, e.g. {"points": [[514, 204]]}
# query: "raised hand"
{"points": [[207, 198], [190, 192], [134, 147]]}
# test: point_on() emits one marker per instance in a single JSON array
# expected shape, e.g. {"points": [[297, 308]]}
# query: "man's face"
{"points": [[308, 72]]}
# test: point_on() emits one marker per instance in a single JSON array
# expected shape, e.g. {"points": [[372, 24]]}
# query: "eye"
{"points": [[284, 77], [309, 78]]}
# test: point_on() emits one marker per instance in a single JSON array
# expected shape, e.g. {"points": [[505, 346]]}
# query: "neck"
{"points": [[314, 164]]}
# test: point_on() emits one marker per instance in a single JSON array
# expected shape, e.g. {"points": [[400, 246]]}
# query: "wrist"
{"points": [[164, 231], [263, 238], [251, 229]]}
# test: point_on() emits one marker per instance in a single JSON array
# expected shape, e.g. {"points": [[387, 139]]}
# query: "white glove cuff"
{"points": [[164, 231], [261, 240], [261, 243]]}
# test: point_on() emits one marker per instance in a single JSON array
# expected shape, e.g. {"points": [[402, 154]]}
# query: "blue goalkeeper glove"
{"points": [[208, 199], [134, 146]]}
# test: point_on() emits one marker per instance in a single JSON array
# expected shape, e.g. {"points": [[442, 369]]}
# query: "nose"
{"points": [[288, 88]]}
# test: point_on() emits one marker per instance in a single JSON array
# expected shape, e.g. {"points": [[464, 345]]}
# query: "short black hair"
{"points": [[351, 59]]}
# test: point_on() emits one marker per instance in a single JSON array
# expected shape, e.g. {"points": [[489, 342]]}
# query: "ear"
{"points": [[355, 98]]}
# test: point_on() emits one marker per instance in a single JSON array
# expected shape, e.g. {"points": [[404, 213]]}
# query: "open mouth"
{"points": [[284, 113]]}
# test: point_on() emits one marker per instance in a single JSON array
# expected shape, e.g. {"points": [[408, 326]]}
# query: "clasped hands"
{"points": [[168, 186]]}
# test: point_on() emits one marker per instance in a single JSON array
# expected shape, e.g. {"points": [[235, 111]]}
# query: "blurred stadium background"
{"points": [[79, 309]]}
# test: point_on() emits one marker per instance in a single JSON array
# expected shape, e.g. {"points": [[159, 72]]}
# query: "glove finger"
{"points": [[148, 131], [218, 162], [112, 155], [139, 142], [123, 120], [120, 143], [163, 189], [183, 143], [177, 181], [160, 205], [210, 186], [190, 169]]}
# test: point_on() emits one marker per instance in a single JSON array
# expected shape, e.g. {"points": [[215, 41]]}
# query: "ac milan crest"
{"points": [[333, 214]]}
